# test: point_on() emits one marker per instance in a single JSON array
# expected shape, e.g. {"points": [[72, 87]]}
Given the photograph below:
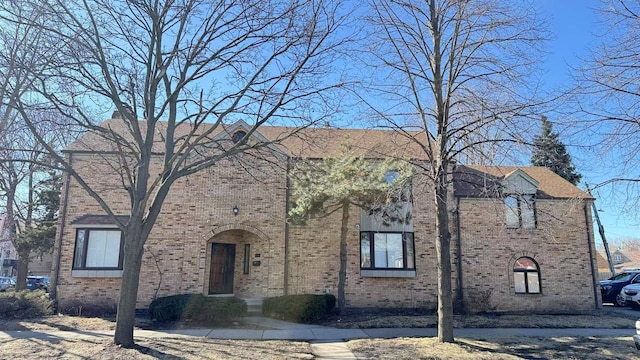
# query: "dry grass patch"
{"points": [[57, 323], [604, 321], [497, 348], [188, 348]]}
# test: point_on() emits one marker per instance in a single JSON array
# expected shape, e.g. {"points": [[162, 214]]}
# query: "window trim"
{"points": [[371, 237], [526, 276], [519, 201], [87, 230]]}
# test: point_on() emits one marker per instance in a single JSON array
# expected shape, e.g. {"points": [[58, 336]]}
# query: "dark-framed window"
{"points": [[98, 249], [387, 250], [520, 211], [526, 276]]}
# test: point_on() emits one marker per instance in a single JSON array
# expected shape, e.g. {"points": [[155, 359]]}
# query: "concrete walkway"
{"points": [[326, 342]]}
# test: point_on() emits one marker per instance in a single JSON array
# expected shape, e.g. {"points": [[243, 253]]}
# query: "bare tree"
{"points": [[609, 99], [454, 71], [23, 165], [177, 71]]}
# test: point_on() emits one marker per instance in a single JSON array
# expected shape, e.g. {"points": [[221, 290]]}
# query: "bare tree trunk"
{"points": [[342, 273], [10, 223], [125, 320], [443, 250], [23, 269]]}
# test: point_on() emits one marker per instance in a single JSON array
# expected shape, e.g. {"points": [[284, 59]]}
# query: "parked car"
{"points": [[6, 283], [38, 283], [631, 295], [611, 289]]}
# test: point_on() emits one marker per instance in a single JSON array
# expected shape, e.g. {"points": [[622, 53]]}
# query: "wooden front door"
{"points": [[222, 266]]}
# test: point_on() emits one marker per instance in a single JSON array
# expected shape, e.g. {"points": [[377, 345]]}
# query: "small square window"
{"points": [[520, 211]]}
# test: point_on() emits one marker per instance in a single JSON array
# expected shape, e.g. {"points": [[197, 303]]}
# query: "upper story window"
{"points": [[520, 211], [238, 135], [617, 258], [526, 276], [98, 249]]}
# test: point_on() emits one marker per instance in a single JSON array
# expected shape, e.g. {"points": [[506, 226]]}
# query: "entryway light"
{"points": [[235, 210]]}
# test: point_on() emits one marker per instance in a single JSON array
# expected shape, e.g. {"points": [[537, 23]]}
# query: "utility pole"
{"points": [[601, 231]]}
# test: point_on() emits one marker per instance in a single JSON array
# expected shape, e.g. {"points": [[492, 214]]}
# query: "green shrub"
{"points": [[25, 304], [305, 308], [196, 307]]}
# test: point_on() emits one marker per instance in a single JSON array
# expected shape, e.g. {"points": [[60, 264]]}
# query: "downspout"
{"points": [[593, 269], [63, 220], [286, 227], [460, 294]]}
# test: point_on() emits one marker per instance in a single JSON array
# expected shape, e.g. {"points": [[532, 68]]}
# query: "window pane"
{"points": [[518, 282], [103, 250], [395, 257], [80, 240], [525, 263], [380, 250], [365, 251], [408, 245], [527, 209], [534, 282], [511, 211]]}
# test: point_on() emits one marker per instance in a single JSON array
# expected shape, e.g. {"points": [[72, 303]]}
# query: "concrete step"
{"points": [[254, 305]]}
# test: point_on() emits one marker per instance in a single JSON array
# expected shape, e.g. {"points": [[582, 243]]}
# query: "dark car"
{"points": [[6, 283], [610, 289], [38, 283]]}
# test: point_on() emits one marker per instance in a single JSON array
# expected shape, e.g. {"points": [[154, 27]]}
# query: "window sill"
{"points": [[96, 273], [388, 273]]}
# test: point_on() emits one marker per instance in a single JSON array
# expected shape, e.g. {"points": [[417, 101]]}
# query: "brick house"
{"points": [[521, 236]]}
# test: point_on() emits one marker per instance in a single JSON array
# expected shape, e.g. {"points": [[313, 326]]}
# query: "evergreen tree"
{"points": [[551, 153], [335, 184]]}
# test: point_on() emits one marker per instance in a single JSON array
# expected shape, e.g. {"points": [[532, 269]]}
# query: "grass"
{"points": [[183, 348], [398, 348], [605, 319], [497, 348]]}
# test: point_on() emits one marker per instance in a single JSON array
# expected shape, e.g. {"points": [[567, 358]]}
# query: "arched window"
{"points": [[526, 276]]}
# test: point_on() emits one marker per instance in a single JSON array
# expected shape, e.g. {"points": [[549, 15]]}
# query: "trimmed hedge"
{"points": [[197, 307], [25, 304], [305, 308]]}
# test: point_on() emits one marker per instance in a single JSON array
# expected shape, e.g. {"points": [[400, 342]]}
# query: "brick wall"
{"points": [[199, 212], [559, 244]]}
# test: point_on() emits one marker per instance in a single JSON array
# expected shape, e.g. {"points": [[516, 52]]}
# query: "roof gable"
{"points": [[519, 182], [488, 181]]}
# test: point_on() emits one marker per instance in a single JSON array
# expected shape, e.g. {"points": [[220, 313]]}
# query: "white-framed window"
{"points": [[387, 250], [526, 276], [98, 249], [520, 211], [617, 258]]}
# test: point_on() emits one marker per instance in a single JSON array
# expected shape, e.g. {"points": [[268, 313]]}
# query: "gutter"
{"points": [[63, 219], [460, 292], [286, 227], [591, 257]]}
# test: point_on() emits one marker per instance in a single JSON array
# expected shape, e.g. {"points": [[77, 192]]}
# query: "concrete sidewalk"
{"points": [[282, 330], [326, 342]]}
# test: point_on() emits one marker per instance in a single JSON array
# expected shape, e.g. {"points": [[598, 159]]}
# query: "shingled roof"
{"points": [[311, 142], [483, 181]]}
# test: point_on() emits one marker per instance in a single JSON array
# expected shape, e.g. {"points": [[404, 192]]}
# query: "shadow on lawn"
{"points": [[554, 348]]}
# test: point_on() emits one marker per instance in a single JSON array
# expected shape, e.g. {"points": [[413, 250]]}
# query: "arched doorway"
{"points": [[237, 264]]}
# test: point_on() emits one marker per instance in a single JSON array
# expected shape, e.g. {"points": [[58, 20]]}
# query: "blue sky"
{"points": [[575, 26]]}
